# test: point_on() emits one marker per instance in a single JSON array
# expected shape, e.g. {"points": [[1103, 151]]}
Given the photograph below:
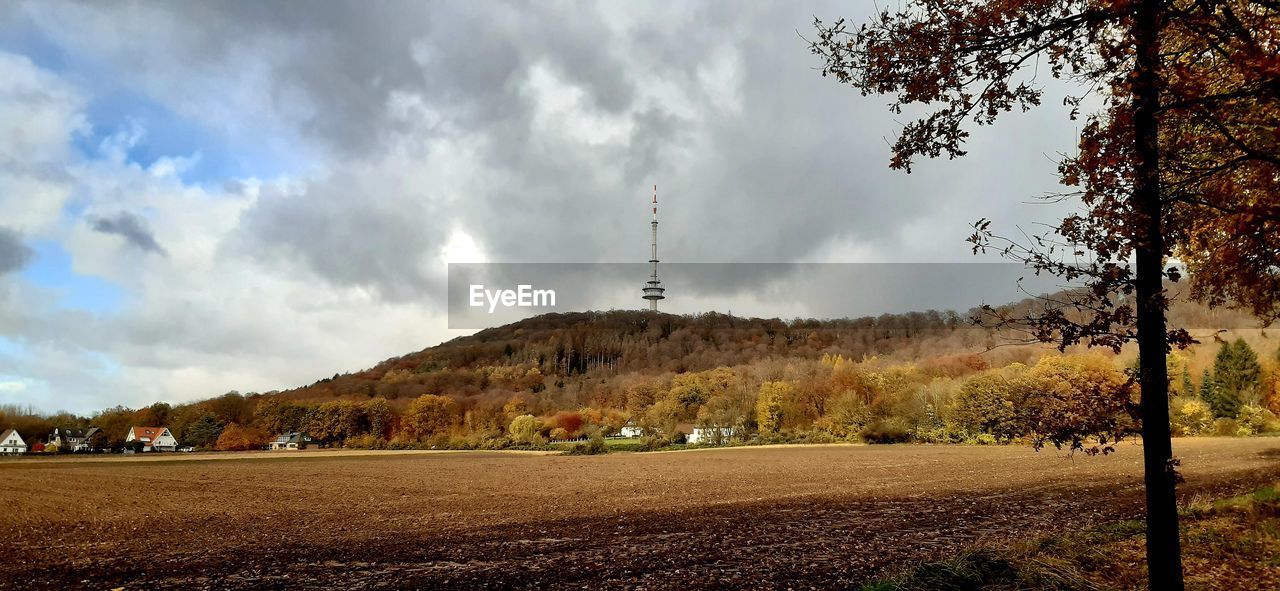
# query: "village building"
{"points": [[95, 439], [716, 435], [153, 438], [77, 440], [11, 443], [68, 439], [295, 440], [631, 430]]}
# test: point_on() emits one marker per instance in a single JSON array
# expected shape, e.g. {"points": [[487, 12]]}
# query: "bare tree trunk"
{"points": [[1164, 552]]}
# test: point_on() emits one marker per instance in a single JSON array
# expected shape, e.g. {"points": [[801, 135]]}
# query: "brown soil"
{"points": [[782, 517]]}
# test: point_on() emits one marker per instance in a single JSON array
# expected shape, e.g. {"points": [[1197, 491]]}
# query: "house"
{"points": [[153, 438], [680, 434], [293, 440], [95, 439], [716, 435], [11, 443], [631, 430], [68, 439]]}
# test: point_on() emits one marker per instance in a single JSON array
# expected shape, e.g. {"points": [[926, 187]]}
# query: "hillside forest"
{"points": [[923, 377]]}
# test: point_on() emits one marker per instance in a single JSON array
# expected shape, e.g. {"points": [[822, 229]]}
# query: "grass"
{"points": [[1231, 543]]}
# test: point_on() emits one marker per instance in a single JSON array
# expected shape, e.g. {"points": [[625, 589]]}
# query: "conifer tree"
{"points": [[1188, 389], [1206, 387], [1237, 376]]}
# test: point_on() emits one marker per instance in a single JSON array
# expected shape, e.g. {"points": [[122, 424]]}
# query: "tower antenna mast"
{"points": [[653, 288]]}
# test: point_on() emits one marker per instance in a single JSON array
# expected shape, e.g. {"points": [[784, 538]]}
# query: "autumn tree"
{"points": [[336, 421], [156, 414], [1180, 160], [769, 405], [378, 417], [115, 423], [429, 415], [238, 438], [1065, 397], [277, 415], [525, 428], [663, 416], [732, 410], [985, 404], [694, 389], [515, 407], [231, 407], [568, 420]]}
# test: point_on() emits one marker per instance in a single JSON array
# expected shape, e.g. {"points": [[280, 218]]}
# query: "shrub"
{"points": [[937, 435], [1227, 428], [984, 439], [1255, 419], [591, 447], [366, 442], [1191, 416], [653, 443], [440, 441], [459, 443], [492, 443], [890, 430]]}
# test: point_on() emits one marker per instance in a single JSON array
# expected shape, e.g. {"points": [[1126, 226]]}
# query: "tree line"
{"points": [[1014, 394]]}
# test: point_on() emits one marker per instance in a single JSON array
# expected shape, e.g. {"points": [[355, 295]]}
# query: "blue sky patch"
{"points": [[52, 269]]}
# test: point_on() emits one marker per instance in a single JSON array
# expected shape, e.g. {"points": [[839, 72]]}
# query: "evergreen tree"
{"points": [[1188, 389], [203, 431], [1208, 392], [1237, 378]]}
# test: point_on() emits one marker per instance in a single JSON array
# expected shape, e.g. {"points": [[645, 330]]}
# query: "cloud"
{"points": [[14, 254], [404, 136], [131, 227]]}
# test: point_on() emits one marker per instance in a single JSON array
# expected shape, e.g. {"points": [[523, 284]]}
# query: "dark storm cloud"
{"points": [[350, 232], [130, 227], [14, 254]]}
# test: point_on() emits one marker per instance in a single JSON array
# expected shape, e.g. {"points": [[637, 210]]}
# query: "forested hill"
{"points": [[556, 350], [565, 346], [912, 375]]}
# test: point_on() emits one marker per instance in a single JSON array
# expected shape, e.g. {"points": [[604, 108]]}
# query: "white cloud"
{"points": [[207, 318], [431, 133]]}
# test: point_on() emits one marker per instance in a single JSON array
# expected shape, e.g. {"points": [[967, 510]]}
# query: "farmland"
{"points": [[802, 516]]}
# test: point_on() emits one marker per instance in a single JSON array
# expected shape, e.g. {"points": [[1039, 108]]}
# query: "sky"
{"points": [[205, 197]]}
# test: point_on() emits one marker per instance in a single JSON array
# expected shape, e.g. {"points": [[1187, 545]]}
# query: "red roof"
{"points": [[148, 433]]}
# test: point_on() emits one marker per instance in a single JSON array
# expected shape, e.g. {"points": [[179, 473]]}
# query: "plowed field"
{"points": [[789, 517]]}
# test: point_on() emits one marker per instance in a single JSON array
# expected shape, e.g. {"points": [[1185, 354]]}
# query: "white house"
{"points": [[12, 443], [711, 434], [631, 431], [153, 438]]}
